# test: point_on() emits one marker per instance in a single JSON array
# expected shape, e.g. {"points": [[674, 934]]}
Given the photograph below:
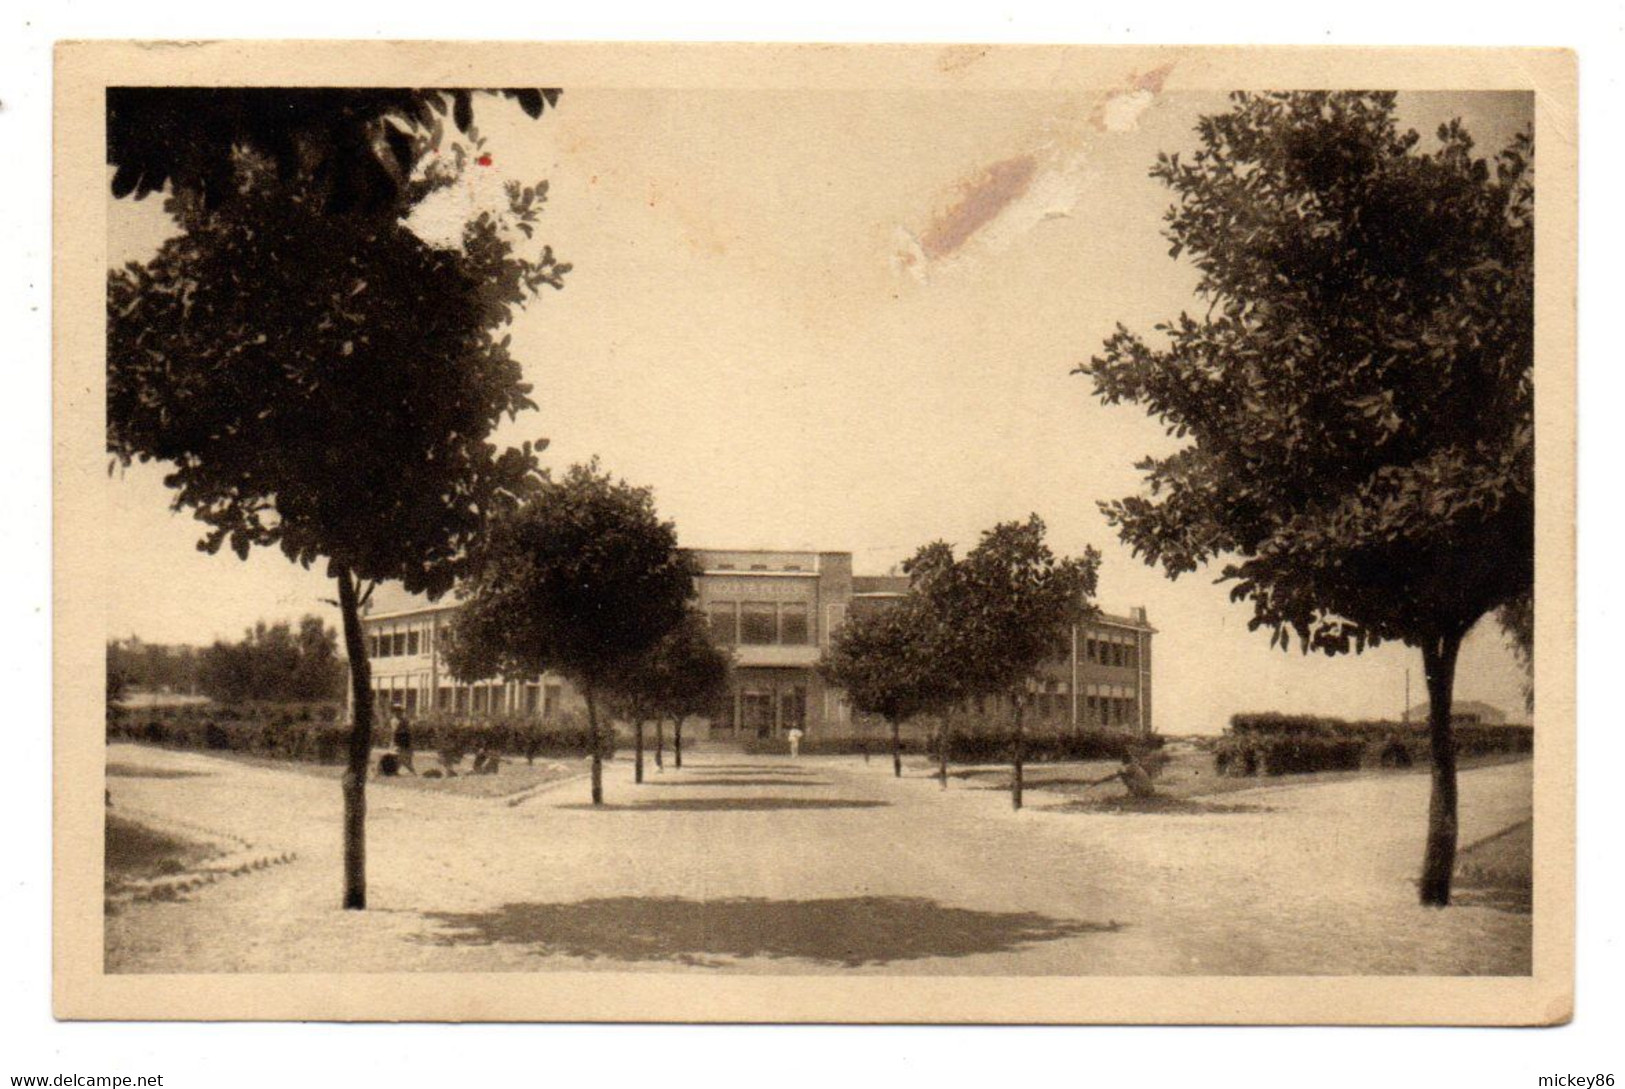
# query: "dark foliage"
{"points": [[324, 384], [316, 733], [312, 732], [684, 674], [359, 146], [1358, 397], [1276, 744], [998, 614], [992, 742], [980, 742], [584, 580], [889, 662], [318, 378], [274, 664], [153, 667]]}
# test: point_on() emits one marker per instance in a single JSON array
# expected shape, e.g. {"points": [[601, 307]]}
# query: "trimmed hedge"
{"points": [[982, 741], [1288, 755], [1274, 744], [317, 734], [994, 743], [309, 732], [813, 744], [513, 735]]}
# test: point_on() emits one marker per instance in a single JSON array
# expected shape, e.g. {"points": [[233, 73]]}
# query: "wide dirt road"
{"points": [[767, 865]]}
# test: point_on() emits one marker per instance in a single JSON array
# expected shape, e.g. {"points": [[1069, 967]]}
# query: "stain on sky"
{"points": [[982, 200]]}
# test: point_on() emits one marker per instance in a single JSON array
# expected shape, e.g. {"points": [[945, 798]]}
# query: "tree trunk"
{"points": [[660, 744], [1019, 753], [360, 754], [896, 749], [677, 741], [597, 747], [1439, 863], [942, 752], [637, 748]]}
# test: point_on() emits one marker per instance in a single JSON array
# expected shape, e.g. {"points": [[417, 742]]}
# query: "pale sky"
{"points": [[846, 322]]}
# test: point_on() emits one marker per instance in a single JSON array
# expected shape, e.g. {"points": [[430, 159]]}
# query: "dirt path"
{"points": [[763, 864]]}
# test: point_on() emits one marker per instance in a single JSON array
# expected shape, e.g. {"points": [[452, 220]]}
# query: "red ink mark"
{"points": [[484, 160]]}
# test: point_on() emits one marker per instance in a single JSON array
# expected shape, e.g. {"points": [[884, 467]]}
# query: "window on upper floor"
{"points": [[758, 624], [793, 623], [412, 641], [724, 621]]}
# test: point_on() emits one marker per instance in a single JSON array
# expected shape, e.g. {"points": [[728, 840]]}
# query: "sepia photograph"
{"points": [[835, 533]]}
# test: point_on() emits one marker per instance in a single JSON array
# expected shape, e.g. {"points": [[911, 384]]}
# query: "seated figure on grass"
{"points": [[1134, 777]]}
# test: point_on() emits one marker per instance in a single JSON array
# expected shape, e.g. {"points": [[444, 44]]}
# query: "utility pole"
{"points": [[1405, 715]]}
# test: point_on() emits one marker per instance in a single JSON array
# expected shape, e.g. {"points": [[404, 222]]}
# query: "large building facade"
{"points": [[777, 612]]}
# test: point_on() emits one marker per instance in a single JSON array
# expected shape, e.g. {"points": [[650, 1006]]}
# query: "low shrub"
{"points": [[816, 744], [512, 735], [979, 741], [1259, 744], [1395, 753], [991, 740], [318, 734]]}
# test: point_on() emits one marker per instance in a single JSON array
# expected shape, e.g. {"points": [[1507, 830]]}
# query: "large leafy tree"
{"points": [[318, 378], [999, 613], [584, 579], [1357, 396], [890, 663]]}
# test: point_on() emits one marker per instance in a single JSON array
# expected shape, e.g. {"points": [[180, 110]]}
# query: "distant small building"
{"points": [[1463, 713]]}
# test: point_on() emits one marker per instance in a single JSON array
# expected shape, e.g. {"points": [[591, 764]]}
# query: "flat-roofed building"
{"points": [[776, 610]]}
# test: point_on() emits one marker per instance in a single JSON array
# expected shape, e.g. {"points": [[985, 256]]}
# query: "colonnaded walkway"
{"points": [[767, 865]]}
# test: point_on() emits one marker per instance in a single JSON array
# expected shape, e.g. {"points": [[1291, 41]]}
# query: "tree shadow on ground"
{"points": [[735, 782], [719, 805], [132, 771], [1513, 900], [1497, 871], [848, 932], [1159, 803], [750, 769]]}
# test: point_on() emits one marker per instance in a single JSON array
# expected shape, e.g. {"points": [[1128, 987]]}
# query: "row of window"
{"points": [[1107, 653], [760, 623], [1092, 710], [402, 642], [1110, 711], [478, 699]]}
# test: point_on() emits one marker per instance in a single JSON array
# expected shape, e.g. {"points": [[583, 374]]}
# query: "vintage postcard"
{"points": [[814, 533]]}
